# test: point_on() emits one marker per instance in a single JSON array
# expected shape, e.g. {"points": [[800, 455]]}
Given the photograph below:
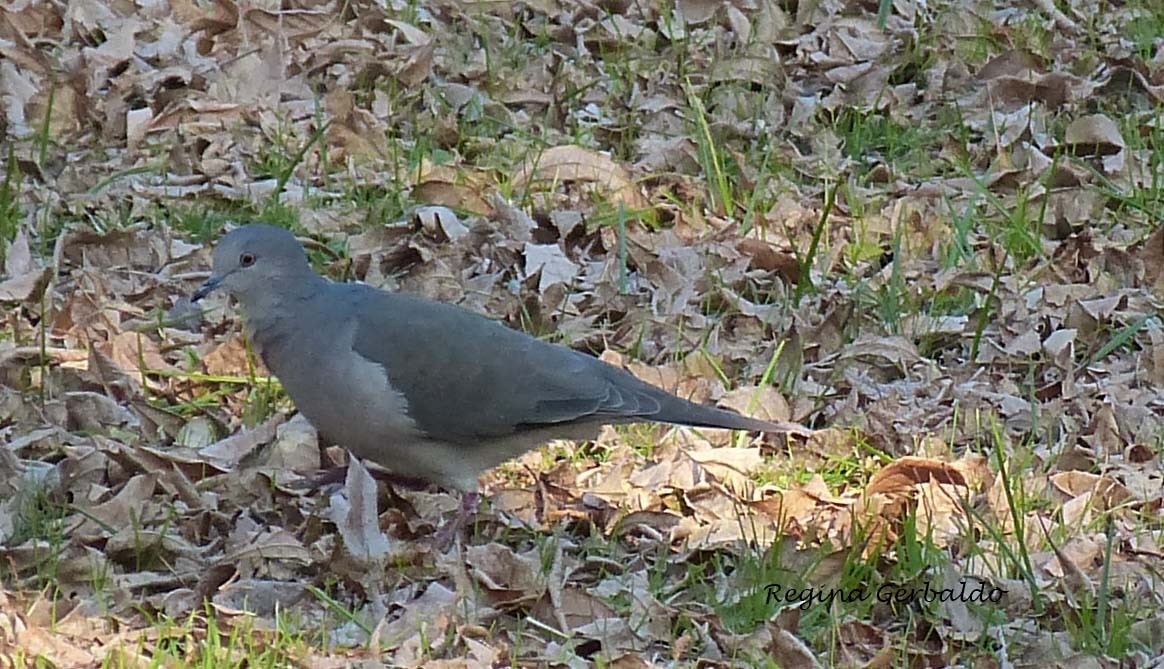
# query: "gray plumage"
{"points": [[426, 389]]}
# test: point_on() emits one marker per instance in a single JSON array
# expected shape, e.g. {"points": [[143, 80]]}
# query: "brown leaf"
{"points": [[729, 465], [127, 508], [901, 475], [261, 598], [1094, 135], [23, 278], [270, 544], [418, 67], [458, 187], [230, 451], [231, 358], [296, 26], [697, 12], [1151, 252], [63, 653], [1012, 62], [765, 256], [508, 579], [791, 652], [357, 517], [575, 163], [765, 403], [136, 354]]}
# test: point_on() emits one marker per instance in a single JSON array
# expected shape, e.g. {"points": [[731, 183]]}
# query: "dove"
{"points": [[426, 389]]}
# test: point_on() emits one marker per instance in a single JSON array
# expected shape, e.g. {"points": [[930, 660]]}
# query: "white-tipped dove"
{"points": [[426, 389]]}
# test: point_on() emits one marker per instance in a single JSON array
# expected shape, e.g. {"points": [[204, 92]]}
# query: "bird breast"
{"points": [[345, 395]]}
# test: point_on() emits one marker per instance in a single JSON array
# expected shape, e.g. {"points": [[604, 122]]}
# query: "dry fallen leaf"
{"points": [[463, 149], [356, 516], [575, 163], [1096, 134]]}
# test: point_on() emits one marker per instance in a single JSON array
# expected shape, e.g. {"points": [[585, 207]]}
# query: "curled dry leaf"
{"points": [[137, 355], [509, 579], [131, 505], [418, 67], [459, 187], [767, 257], [764, 402], [257, 597], [697, 12], [296, 448], [731, 466], [791, 651], [1095, 135], [903, 474], [442, 219], [551, 265], [231, 358], [48, 646], [230, 451], [23, 279], [573, 163]]}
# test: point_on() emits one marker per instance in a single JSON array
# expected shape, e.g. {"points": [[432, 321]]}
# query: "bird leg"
{"points": [[334, 475], [470, 501], [445, 534]]}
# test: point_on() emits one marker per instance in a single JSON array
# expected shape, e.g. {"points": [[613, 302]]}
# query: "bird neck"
{"points": [[282, 301]]}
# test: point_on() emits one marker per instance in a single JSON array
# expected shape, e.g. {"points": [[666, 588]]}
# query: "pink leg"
{"points": [[470, 501], [334, 475]]}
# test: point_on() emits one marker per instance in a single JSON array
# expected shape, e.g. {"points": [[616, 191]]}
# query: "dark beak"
{"points": [[209, 286]]}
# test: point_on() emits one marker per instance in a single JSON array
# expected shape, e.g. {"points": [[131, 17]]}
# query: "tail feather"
{"points": [[681, 412], [631, 398]]}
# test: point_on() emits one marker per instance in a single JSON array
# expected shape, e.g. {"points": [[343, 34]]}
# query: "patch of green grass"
{"points": [[381, 204], [202, 222], [864, 247], [807, 259], [206, 221], [10, 211], [202, 641], [642, 438], [262, 402], [1145, 29], [43, 138], [839, 471], [1123, 338], [40, 518], [264, 394], [719, 171], [887, 301], [1100, 619], [343, 612], [977, 46], [1033, 33], [893, 296], [1139, 200], [955, 302], [1013, 553], [117, 216], [761, 583], [869, 137], [957, 250]]}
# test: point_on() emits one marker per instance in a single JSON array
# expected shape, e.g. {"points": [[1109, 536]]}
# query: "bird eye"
{"points": [[246, 259]]}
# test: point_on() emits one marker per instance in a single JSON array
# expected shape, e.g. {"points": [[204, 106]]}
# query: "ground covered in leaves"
{"points": [[928, 230]]}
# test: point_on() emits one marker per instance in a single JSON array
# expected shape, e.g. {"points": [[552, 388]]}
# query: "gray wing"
{"points": [[466, 377]]}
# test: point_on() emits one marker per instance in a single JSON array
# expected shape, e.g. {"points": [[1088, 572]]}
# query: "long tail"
{"points": [[681, 412]]}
